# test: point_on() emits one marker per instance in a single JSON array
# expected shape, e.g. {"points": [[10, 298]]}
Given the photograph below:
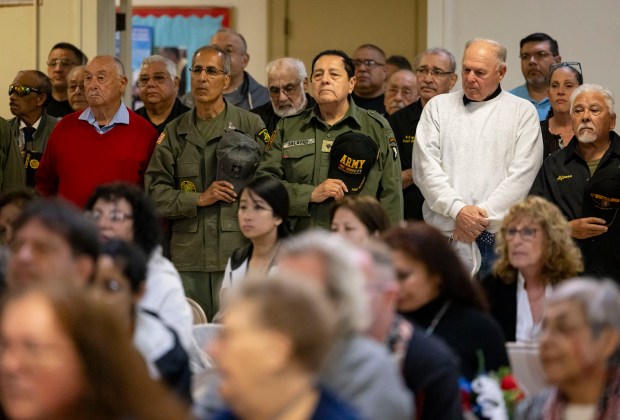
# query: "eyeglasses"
{"points": [[368, 63], [572, 64], [540, 55], [527, 233], [64, 62], [115, 216], [22, 90], [159, 78], [436, 73], [403, 91], [211, 72], [288, 90]]}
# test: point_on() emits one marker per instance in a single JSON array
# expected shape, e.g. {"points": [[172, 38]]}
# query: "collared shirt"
{"points": [[542, 107], [527, 330], [121, 117], [22, 139], [495, 94]]}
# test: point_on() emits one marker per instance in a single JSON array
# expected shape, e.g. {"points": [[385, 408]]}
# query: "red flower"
{"points": [[508, 383]]}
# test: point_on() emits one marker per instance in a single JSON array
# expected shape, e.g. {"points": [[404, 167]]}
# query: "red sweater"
{"points": [[77, 158]]}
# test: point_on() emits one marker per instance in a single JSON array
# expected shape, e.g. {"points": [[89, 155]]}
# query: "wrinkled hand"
{"points": [[217, 191], [327, 189], [406, 177], [470, 223], [587, 227]]}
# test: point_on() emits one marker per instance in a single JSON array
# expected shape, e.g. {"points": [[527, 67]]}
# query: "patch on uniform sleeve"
{"points": [[161, 138], [188, 186], [264, 136], [394, 146], [270, 139]]}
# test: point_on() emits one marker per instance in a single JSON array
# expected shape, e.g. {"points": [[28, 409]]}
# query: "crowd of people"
{"points": [[363, 239]]}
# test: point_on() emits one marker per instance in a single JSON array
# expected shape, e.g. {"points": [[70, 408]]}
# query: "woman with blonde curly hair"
{"points": [[535, 252]]}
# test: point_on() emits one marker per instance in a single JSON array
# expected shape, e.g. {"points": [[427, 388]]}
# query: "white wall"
{"points": [[587, 32], [249, 17]]}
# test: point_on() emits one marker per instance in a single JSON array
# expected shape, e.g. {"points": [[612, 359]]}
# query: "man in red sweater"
{"points": [[107, 142]]}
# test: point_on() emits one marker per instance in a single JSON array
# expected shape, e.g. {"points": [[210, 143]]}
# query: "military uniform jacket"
{"points": [[183, 165], [299, 156], [40, 136], [12, 174]]}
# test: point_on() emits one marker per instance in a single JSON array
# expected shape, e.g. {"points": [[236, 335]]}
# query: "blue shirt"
{"points": [[121, 117], [542, 107]]}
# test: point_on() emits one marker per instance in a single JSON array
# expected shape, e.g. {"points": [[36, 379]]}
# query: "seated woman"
{"points": [[437, 294], [580, 354], [358, 217], [119, 282], [269, 355], [263, 214], [535, 252], [557, 129], [65, 356], [124, 212]]}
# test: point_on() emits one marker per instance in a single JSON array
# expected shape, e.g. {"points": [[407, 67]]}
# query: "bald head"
{"points": [[483, 68]]}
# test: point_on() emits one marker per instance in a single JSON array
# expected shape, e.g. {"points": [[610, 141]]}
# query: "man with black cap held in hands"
{"points": [[184, 181], [304, 147]]}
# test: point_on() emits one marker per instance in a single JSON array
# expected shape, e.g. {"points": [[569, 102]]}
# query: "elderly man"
{"points": [[30, 129], [159, 84], [476, 153], [62, 58], [75, 89], [435, 74], [370, 77], [183, 182], [583, 180], [301, 151], [287, 82], [107, 142], [52, 241], [401, 90], [538, 52]]}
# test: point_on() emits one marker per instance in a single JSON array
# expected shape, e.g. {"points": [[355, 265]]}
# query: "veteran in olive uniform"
{"points": [[181, 179], [299, 150]]}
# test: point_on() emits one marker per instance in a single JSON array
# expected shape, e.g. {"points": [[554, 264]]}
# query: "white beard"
{"points": [[586, 137]]}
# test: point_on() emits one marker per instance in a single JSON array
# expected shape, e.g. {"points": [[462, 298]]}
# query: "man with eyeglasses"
{"points": [[287, 82], [300, 151], [106, 142], [401, 90], [370, 77], [435, 74], [61, 59], [476, 153], [583, 180], [537, 53], [159, 84], [75, 89], [31, 128], [182, 179]]}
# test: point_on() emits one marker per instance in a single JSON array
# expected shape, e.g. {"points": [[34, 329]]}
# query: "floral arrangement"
{"points": [[491, 395]]}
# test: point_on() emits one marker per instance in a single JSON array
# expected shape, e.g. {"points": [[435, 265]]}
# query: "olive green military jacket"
{"points": [[183, 165], [42, 134], [12, 175], [299, 156]]}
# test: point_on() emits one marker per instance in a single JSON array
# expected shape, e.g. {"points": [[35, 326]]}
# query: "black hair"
{"points": [[399, 61], [541, 37], [272, 190], [577, 73], [18, 197], [82, 59], [348, 62], [146, 225], [129, 259], [63, 218]]}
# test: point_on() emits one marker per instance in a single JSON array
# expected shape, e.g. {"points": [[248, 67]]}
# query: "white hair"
{"points": [[344, 279], [171, 67], [591, 87], [284, 62]]}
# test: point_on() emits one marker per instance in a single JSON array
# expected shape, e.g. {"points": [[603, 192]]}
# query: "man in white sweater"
{"points": [[476, 153]]}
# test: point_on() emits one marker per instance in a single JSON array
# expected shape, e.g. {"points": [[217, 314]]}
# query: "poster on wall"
{"points": [[178, 31]]}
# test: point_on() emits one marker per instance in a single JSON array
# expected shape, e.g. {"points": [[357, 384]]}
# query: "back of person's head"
{"points": [[285, 305], [367, 209], [425, 244], [272, 190], [399, 62], [129, 259], [146, 225], [66, 220], [344, 280], [541, 37]]}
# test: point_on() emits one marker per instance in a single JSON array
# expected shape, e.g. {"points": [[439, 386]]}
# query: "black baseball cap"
{"points": [[238, 156], [351, 157]]}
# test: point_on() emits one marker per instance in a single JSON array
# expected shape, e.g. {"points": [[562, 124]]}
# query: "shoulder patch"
{"points": [[270, 140], [264, 136], [161, 138], [393, 146]]}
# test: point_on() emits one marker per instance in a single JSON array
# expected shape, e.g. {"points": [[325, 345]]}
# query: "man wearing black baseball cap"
{"points": [[302, 149]]}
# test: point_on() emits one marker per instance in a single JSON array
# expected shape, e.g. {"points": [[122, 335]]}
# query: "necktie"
{"points": [[28, 133]]}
